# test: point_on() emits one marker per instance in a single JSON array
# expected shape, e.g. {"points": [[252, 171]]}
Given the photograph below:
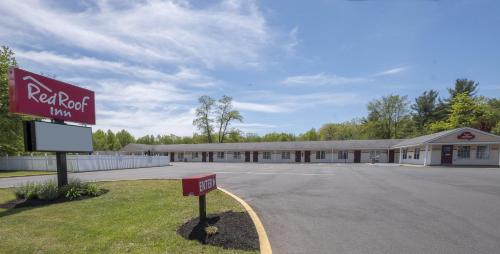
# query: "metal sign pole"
{"points": [[203, 210], [62, 166]]}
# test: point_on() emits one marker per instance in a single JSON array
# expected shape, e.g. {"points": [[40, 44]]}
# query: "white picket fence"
{"points": [[81, 163]]}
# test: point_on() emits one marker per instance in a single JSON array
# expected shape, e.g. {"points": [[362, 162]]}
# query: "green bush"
{"points": [[28, 190], [73, 193], [48, 190], [93, 190]]}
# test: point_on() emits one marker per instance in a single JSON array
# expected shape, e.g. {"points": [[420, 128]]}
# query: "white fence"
{"points": [[80, 163]]}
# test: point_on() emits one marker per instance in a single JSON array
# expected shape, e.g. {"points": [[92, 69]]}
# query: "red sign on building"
{"points": [[36, 95], [466, 135], [198, 185]]}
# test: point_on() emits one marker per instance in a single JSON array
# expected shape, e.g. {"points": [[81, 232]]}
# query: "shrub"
{"points": [[73, 193], [93, 190], [48, 190], [28, 190]]}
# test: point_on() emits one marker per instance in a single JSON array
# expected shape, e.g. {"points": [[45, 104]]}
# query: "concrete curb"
{"points": [[265, 246]]}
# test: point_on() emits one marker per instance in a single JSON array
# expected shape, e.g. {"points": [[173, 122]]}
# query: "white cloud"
{"points": [[293, 41], [228, 33], [323, 79], [392, 71], [259, 107]]}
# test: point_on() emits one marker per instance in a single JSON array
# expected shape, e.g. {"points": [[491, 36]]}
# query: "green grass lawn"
{"points": [[134, 216], [12, 173]]}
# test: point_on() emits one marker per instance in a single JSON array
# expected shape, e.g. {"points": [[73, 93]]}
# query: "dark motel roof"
{"points": [[373, 144], [433, 138], [267, 146]]}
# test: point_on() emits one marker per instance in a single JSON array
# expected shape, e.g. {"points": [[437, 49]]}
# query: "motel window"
{"points": [[285, 155], [320, 155], [220, 155], [405, 154], [416, 155], [180, 156], [266, 155], [342, 155], [374, 154], [463, 152], [237, 155], [482, 152], [194, 155]]}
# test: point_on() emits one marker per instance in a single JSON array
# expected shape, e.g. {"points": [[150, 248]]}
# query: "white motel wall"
{"points": [[462, 146], [81, 163]]}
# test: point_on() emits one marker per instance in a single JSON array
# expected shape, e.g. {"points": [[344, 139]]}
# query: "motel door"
{"points": [[247, 156], [357, 156], [298, 155], [204, 156], [391, 156], [447, 154], [255, 156], [307, 156], [210, 156], [172, 154]]}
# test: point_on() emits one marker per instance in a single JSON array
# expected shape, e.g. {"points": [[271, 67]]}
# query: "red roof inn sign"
{"points": [[36, 95], [466, 135]]}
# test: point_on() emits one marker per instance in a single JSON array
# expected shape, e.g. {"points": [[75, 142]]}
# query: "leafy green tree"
{"points": [[124, 138], [463, 86], [424, 109], [203, 120], [112, 141], [310, 135], [341, 131], [100, 141], [387, 112], [11, 138], [275, 136], [147, 140], [225, 115]]}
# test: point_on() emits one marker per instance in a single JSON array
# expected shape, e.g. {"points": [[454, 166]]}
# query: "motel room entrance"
{"points": [[447, 154]]}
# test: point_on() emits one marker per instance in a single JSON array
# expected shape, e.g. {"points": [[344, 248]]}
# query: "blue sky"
{"points": [[289, 65]]}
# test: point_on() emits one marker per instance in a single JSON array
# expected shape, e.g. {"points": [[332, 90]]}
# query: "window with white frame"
{"points": [[482, 152], [463, 152], [266, 155], [342, 155], [285, 155], [180, 156], [194, 155], [374, 154], [237, 155], [405, 154], [320, 155], [416, 154], [220, 155]]}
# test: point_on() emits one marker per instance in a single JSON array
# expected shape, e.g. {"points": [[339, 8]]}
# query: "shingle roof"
{"points": [[429, 138], [268, 146]]}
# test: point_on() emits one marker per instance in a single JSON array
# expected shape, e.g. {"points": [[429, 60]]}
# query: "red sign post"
{"points": [[199, 185], [36, 95]]}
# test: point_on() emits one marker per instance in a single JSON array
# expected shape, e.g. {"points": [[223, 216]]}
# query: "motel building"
{"points": [[462, 146]]}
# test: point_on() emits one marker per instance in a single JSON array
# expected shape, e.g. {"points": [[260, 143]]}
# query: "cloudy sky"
{"points": [[289, 65]]}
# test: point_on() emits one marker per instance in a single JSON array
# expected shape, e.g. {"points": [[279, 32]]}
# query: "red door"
{"points": [[255, 156], [307, 156], [447, 154], [298, 156], [247, 156], [210, 156], [357, 156], [204, 156], [391, 156], [172, 154]]}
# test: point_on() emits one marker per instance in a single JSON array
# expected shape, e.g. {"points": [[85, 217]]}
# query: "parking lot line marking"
{"points": [[274, 173]]}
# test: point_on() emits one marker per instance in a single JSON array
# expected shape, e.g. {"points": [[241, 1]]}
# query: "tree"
{"points": [[203, 120], [424, 109], [388, 112], [463, 86], [100, 141], [225, 115], [275, 136], [310, 135], [112, 141], [341, 131], [11, 138], [124, 138]]}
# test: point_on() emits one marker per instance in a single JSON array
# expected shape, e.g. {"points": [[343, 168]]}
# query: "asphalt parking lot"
{"points": [[354, 208]]}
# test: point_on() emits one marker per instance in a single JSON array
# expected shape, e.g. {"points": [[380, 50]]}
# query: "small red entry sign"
{"points": [[198, 185]]}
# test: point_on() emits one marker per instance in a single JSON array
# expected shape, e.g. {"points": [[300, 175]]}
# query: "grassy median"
{"points": [[134, 216], [15, 173]]}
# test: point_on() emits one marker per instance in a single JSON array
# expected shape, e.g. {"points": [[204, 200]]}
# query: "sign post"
{"points": [[199, 185], [40, 96]]}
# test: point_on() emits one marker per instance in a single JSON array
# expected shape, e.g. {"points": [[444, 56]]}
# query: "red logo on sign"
{"points": [[36, 95], [198, 185], [466, 135]]}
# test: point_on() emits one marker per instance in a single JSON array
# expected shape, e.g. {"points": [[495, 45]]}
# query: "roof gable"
{"points": [[450, 136]]}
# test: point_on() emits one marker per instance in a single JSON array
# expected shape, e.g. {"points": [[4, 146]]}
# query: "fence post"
{"points": [[46, 162], [32, 162], [77, 165], [98, 161], [7, 162]]}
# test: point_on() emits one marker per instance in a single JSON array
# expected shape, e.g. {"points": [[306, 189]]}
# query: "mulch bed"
{"points": [[235, 231], [20, 203]]}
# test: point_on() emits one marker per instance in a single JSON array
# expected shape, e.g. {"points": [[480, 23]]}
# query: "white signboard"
{"points": [[51, 137]]}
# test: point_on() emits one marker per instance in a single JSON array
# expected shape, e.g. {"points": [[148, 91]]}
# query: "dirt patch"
{"points": [[234, 230]]}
